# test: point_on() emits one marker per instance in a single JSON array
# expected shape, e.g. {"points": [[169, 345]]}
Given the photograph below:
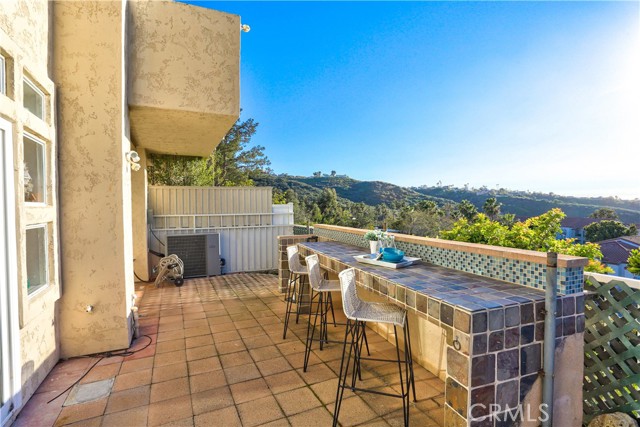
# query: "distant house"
{"points": [[615, 253], [573, 228]]}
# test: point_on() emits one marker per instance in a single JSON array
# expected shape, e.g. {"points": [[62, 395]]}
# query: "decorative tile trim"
{"points": [[527, 273]]}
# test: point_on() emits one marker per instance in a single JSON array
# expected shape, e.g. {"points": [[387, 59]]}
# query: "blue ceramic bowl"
{"points": [[392, 255]]}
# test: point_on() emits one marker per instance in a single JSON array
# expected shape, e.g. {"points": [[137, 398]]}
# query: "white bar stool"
{"points": [[359, 312]]}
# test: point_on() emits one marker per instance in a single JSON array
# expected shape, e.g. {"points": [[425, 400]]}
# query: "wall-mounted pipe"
{"points": [[549, 337]]}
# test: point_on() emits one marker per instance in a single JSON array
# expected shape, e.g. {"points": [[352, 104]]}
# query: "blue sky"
{"points": [[539, 96]]}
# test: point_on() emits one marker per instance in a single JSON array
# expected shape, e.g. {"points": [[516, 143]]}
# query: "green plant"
{"points": [[633, 263], [373, 235]]}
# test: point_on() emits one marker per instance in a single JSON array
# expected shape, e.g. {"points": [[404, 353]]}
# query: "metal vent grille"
{"points": [[192, 250]]}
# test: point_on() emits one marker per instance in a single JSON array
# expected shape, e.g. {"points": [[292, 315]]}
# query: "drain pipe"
{"points": [[549, 337]]}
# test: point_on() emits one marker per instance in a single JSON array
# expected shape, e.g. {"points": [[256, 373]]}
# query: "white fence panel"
{"points": [[244, 217]]}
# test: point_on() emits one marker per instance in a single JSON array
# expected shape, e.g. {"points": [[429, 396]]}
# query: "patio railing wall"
{"points": [[612, 346]]}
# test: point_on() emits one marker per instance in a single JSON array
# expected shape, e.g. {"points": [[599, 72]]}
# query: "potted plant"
{"points": [[374, 237]]}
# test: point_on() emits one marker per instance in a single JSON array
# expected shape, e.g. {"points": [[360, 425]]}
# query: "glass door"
{"points": [[9, 345]]}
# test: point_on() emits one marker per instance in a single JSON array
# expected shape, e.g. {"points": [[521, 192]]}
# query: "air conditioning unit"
{"points": [[200, 253]]}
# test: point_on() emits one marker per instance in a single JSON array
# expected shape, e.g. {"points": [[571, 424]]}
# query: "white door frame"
{"points": [[11, 399]]}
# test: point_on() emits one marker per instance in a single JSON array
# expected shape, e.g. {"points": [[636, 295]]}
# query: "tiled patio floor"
{"points": [[217, 358]]}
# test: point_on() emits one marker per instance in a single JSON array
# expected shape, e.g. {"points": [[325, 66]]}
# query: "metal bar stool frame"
{"points": [[321, 286], [358, 312], [298, 275]]}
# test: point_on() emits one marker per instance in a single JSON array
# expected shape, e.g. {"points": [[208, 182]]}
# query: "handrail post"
{"points": [[549, 337]]}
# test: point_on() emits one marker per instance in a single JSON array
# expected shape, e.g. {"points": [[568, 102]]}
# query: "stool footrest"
{"points": [[382, 393]]}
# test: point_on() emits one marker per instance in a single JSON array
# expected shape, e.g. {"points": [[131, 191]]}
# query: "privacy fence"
{"points": [[244, 217], [612, 346]]}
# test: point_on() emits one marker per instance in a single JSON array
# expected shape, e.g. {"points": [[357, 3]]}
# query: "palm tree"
{"points": [[491, 208]]}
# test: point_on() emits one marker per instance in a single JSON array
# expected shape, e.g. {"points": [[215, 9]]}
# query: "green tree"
{"points": [[333, 173], [278, 197], [537, 233], [604, 213], [633, 263], [329, 206], [491, 208], [507, 220], [607, 229], [179, 170], [467, 210], [317, 174], [234, 162]]}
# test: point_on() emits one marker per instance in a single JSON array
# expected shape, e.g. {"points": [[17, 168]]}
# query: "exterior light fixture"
{"points": [[245, 28], [133, 158]]}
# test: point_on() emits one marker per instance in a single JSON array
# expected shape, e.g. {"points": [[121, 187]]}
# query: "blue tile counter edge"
{"points": [[526, 273]]}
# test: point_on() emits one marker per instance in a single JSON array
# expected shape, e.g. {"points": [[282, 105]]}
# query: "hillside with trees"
{"points": [[527, 204]]}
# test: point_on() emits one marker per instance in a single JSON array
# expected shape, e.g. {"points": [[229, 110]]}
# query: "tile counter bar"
{"points": [[493, 329]]}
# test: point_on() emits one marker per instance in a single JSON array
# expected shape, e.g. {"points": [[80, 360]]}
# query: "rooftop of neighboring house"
{"points": [[577, 222], [616, 251]]}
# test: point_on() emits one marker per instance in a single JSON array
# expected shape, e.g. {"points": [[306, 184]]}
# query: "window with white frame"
{"points": [[37, 257], [33, 98], [3, 75], [35, 177]]}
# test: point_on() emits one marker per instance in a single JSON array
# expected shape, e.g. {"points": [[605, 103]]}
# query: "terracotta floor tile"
{"points": [[141, 354], [169, 410], [168, 336], [169, 389], [211, 400], [136, 365], [226, 336], [217, 328], [127, 399], [169, 372], [194, 332], [203, 352], [170, 345], [83, 411], [298, 400], [250, 390], [257, 342], [241, 373], [74, 365], [91, 422], [204, 365], [265, 353], [235, 359], [273, 366], [199, 341], [227, 417], [207, 381], [259, 411], [136, 416], [318, 417], [170, 358], [230, 347], [37, 412], [100, 373], [251, 332], [132, 380], [353, 410], [326, 390], [195, 323], [284, 381], [223, 364], [248, 323]]}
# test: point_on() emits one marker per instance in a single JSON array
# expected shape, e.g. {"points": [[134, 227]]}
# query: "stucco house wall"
{"points": [[86, 57], [24, 43]]}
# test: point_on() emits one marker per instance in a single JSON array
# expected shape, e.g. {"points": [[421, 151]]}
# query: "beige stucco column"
{"points": [[139, 217], [95, 182]]}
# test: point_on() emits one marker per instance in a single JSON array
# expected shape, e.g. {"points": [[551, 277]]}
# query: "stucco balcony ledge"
{"points": [[183, 76]]}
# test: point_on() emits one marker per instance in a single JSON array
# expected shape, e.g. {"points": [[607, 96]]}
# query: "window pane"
{"points": [[33, 99], [34, 173], [3, 75], [36, 258]]}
